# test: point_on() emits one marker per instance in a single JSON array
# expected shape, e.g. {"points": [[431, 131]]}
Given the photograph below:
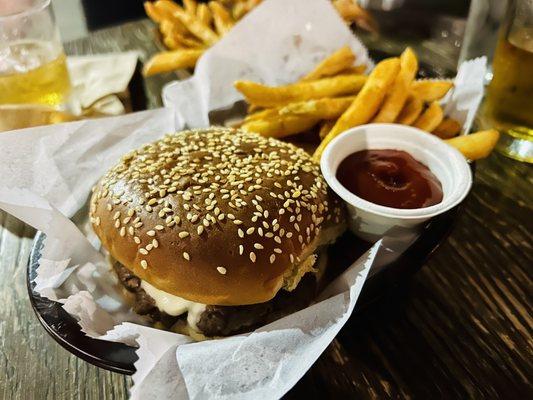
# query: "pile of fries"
{"points": [[336, 96], [189, 30]]}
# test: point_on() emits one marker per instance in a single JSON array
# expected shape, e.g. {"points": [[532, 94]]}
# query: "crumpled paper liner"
{"points": [[50, 172]]}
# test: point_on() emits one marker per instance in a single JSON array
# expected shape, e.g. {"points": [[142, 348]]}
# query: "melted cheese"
{"points": [[174, 305]]}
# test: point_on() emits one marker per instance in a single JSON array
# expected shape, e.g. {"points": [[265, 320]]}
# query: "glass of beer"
{"points": [[33, 66], [509, 101]]}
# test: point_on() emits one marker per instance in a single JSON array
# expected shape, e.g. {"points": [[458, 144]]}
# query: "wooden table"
{"points": [[462, 329]]}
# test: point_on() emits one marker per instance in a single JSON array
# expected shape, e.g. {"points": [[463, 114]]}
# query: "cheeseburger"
{"points": [[217, 231]]}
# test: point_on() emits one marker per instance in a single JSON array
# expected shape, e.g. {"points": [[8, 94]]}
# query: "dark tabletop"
{"points": [[462, 329]]}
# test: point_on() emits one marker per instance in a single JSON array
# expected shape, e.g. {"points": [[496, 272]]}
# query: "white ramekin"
{"points": [[371, 221]]}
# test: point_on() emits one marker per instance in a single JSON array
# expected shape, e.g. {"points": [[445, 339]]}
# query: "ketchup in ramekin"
{"points": [[391, 178]]}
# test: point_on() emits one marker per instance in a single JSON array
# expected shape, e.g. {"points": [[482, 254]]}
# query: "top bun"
{"points": [[216, 216]]}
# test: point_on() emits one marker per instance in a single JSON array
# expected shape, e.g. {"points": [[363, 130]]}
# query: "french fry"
{"points": [[172, 42], [189, 41], [267, 96], [204, 14], [410, 111], [430, 118], [395, 99], [350, 11], [366, 102], [166, 9], [153, 13], [190, 6], [326, 108], [196, 27], [243, 7], [357, 69], [221, 17], [267, 113], [325, 127], [167, 61], [447, 129], [280, 126], [430, 91], [476, 145], [332, 65]]}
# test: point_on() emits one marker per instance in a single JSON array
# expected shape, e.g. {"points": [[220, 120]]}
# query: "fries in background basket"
{"points": [[200, 25], [330, 100]]}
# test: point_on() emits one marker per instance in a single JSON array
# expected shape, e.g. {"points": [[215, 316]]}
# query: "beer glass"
{"points": [[33, 66], [509, 102]]}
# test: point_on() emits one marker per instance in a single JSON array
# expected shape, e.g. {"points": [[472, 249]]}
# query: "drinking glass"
{"points": [[509, 101], [33, 66]]}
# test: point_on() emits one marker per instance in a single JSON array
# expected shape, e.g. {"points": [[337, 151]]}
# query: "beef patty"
{"points": [[223, 320]]}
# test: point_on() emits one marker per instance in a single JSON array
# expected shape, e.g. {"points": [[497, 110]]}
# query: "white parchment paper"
{"points": [[47, 173]]}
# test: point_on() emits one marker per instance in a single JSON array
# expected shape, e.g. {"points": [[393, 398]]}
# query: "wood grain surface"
{"points": [[462, 329]]}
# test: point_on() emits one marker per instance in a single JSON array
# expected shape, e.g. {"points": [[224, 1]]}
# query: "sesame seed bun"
{"points": [[215, 216]]}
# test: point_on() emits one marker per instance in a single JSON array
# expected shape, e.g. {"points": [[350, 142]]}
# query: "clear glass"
{"points": [[509, 102], [33, 66]]}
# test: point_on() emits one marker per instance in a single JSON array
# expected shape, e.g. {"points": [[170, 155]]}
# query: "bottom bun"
{"points": [[204, 321]]}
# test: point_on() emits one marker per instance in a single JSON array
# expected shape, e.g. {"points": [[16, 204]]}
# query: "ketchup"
{"points": [[391, 178]]}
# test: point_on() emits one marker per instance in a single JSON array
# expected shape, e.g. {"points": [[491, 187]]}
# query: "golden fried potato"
{"points": [[166, 9], [354, 70], [350, 11], [395, 99], [410, 111], [167, 61], [325, 127], [430, 118], [476, 145], [447, 129], [196, 27], [222, 18], [326, 108], [280, 126], [267, 96], [429, 91], [267, 113], [190, 6], [332, 65], [204, 14], [367, 102], [153, 13]]}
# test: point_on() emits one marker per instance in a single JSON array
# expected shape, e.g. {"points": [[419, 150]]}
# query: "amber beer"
{"points": [[36, 74], [510, 93]]}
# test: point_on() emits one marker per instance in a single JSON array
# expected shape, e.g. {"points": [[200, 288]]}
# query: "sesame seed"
{"points": [[137, 240], [117, 215], [258, 246], [272, 258], [143, 251], [183, 234], [200, 229], [144, 264], [155, 243], [186, 256], [249, 231], [221, 270], [252, 256], [117, 223], [241, 249], [149, 246], [150, 233], [240, 232]]}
